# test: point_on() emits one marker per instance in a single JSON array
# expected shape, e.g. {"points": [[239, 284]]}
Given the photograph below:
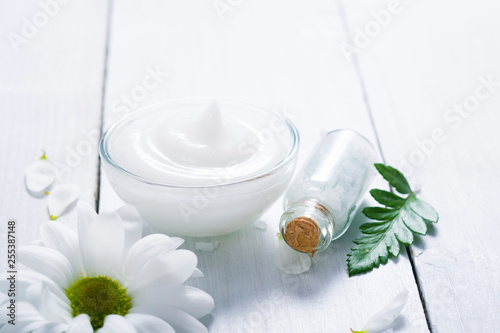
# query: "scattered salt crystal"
{"points": [[260, 224], [346, 179], [290, 261], [416, 186], [415, 251], [206, 246]]}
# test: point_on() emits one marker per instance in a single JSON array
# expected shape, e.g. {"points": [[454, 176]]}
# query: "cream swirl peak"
{"points": [[192, 147]]}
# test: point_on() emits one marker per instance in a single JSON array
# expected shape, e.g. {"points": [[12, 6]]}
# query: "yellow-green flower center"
{"points": [[98, 297]]}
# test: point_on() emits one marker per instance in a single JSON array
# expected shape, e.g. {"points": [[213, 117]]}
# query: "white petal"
{"points": [[85, 217], [3, 304], [61, 197], [40, 175], [117, 324], [148, 248], [59, 237], [145, 323], [21, 287], [168, 268], [383, 319], [191, 300], [51, 328], [179, 320], [28, 277], [196, 273], [49, 262], [132, 223], [36, 242], [103, 245], [80, 324], [48, 305], [27, 319], [290, 261]]}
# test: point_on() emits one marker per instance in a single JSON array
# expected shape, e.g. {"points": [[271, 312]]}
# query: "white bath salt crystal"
{"points": [[61, 197], [333, 198], [340, 190], [206, 246], [260, 224], [291, 261], [40, 175], [346, 179]]}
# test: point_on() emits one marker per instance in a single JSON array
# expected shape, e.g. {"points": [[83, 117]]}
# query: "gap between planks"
{"points": [[366, 100], [103, 99]]}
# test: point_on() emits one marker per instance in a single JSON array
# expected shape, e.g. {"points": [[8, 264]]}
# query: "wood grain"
{"points": [[50, 99], [431, 57], [282, 55]]}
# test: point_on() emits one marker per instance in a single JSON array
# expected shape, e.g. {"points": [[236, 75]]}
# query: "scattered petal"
{"points": [[206, 246], [61, 197], [290, 261], [383, 319], [40, 175]]}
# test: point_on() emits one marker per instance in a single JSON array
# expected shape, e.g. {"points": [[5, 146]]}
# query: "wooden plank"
{"points": [[50, 98], [282, 54], [431, 57]]}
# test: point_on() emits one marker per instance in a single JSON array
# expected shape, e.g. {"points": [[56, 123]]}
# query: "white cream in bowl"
{"points": [[200, 167]]}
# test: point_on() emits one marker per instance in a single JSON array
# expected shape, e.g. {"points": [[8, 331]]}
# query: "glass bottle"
{"points": [[322, 200]]}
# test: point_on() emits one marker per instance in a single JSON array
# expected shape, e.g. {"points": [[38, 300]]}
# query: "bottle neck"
{"points": [[307, 226]]}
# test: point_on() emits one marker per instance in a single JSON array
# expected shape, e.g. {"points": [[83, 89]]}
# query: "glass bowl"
{"points": [[211, 209]]}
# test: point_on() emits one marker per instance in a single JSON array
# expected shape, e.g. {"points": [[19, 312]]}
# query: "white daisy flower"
{"points": [[107, 279]]}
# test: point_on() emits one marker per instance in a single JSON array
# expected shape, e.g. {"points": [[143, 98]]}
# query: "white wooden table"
{"points": [[67, 77]]}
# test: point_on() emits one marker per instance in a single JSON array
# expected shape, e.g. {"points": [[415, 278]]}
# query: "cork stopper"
{"points": [[302, 234]]}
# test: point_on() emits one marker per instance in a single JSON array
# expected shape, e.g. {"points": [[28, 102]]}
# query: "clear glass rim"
{"points": [[364, 138], [319, 214], [105, 156]]}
